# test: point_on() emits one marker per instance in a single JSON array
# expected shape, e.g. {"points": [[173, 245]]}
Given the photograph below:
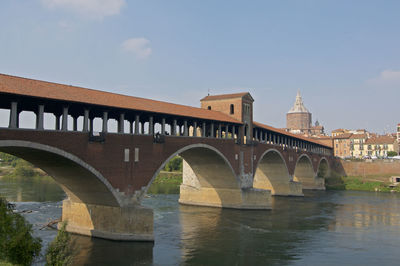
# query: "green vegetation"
{"points": [[59, 252], [175, 164], [17, 245], [358, 183], [16, 167], [391, 153]]}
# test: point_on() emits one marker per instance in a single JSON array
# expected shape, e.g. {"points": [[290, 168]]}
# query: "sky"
{"points": [[342, 55]]}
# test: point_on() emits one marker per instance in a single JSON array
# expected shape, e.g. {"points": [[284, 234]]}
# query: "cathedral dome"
{"points": [[298, 106]]}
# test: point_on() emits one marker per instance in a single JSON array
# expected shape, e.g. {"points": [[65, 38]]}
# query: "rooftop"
{"points": [[283, 132], [55, 91], [343, 136], [381, 140], [226, 96]]}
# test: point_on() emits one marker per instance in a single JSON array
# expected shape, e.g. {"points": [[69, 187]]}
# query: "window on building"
{"points": [[369, 147], [232, 109], [209, 107]]}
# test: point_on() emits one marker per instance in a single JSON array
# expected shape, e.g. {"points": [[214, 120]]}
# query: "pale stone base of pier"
{"points": [[317, 184], [225, 198], [288, 188], [115, 223]]}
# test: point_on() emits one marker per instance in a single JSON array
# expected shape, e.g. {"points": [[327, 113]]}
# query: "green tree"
{"points": [[175, 164], [391, 153], [17, 245], [59, 252]]}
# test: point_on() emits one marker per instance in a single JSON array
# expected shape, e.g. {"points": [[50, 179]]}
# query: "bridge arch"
{"points": [[323, 170], [81, 182], [208, 177], [304, 172], [272, 173]]}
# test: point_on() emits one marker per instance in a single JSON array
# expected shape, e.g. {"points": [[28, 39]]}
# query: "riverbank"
{"points": [[359, 183]]}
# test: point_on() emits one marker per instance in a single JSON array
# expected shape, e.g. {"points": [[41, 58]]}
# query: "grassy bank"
{"points": [[169, 178], [359, 183]]}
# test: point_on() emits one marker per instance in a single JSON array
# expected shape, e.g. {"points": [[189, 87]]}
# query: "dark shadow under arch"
{"points": [[81, 182], [205, 168], [272, 173], [304, 172]]}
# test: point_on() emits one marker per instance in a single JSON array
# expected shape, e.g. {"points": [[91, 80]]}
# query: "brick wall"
{"points": [[379, 167]]}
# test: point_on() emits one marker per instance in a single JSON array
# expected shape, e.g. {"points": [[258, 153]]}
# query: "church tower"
{"points": [[298, 119]]}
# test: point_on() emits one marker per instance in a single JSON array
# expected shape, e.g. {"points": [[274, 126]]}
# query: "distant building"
{"points": [[299, 120], [398, 134], [359, 143], [342, 144], [349, 143], [381, 145]]}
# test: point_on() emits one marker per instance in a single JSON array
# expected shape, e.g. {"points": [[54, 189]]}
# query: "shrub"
{"points": [[391, 153], [59, 252], [175, 164], [17, 245]]}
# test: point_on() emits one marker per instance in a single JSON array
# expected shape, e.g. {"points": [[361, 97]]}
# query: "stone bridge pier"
{"points": [[208, 180]]}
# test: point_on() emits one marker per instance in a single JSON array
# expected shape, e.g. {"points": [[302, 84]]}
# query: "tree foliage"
{"points": [[175, 164], [59, 252], [17, 245], [391, 153]]}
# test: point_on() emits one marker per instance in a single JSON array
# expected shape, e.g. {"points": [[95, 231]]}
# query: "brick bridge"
{"points": [[229, 160]]}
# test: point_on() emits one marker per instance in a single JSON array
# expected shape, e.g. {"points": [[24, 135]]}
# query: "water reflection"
{"points": [[354, 228], [234, 237], [37, 188], [91, 251]]}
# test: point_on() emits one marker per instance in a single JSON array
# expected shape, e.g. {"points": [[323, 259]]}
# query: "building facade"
{"points": [[341, 145], [380, 146], [360, 143], [398, 134]]}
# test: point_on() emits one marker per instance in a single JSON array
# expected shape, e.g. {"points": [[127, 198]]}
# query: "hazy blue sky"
{"points": [[343, 55]]}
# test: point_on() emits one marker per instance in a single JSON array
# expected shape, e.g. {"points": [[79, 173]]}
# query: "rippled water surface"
{"points": [[323, 228]]}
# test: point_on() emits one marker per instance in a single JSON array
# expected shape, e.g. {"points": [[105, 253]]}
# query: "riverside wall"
{"points": [[367, 168]]}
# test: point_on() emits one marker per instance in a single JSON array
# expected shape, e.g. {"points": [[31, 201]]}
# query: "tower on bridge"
{"points": [[237, 105]]}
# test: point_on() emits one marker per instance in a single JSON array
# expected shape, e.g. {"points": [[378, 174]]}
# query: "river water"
{"points": [[323, 228]]}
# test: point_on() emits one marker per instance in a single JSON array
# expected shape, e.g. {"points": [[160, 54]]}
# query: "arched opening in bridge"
{"points": [[27, 120], [112, 125], [93, 206], [202, 176], [323, 169], [304, 172], [4, 117], [272, 174], [80, 182]]}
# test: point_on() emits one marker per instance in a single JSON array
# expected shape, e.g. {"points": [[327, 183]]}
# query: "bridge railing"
{"points": [[266, 136]]}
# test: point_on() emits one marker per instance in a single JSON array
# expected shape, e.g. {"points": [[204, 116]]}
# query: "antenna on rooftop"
{"points": [[209, 92]]}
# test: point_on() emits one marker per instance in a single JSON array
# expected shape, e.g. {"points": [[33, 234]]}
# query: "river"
{"points": [[323, 228]]}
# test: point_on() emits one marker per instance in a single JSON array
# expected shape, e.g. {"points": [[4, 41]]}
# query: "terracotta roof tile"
{"points": [[381, 140], [359, 136], [283, 132], [225, 96], [343, 136], [55, 91]]}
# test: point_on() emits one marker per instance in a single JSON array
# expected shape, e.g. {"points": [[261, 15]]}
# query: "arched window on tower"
{"points": [[209, 107], [232, 109]]}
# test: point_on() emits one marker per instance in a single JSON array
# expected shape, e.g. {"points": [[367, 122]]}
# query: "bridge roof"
{"points": [[283, 132], [54, 91]]}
